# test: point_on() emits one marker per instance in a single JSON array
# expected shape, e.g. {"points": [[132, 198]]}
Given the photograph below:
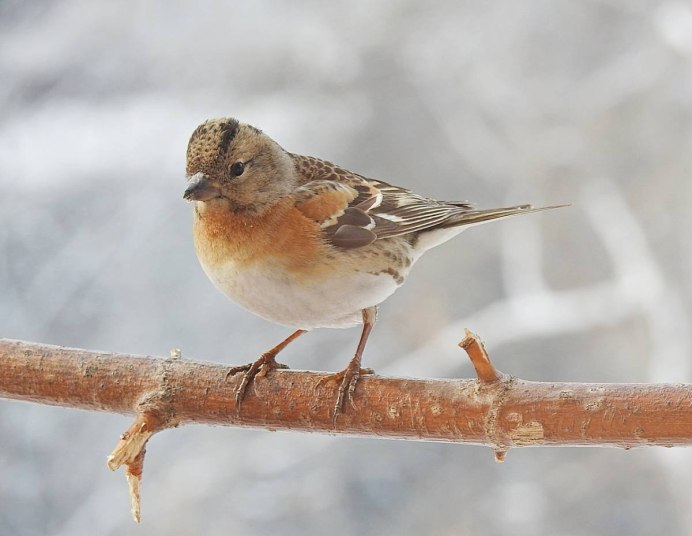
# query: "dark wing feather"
{"points": [[374, 209], [383, 210], [331, 204]]}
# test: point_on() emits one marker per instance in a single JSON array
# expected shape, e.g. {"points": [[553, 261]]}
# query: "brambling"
{"points": [[305, 243]]}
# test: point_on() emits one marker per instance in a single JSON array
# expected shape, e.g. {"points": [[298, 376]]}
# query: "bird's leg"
{"points": [[265, 363], [351, 374]]}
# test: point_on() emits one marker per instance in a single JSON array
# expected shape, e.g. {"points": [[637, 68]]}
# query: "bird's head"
{"points": [[237, 165]]}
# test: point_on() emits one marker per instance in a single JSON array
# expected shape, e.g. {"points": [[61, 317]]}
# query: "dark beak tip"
{"points": [[197, 182], [200, 188]]}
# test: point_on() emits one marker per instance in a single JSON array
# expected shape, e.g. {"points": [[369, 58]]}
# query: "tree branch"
{"points": [[496, 410]]}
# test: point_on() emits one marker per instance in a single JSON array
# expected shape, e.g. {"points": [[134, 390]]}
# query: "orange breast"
{"points": [[283, 235]]}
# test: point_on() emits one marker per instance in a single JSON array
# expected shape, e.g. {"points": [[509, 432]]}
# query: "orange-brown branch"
{"points": [[502, 413], [495, 410]]}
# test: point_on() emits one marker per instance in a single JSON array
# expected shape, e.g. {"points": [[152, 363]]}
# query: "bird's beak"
{"points": [[200, 188]]}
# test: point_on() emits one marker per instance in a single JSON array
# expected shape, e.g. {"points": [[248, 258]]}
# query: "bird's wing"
{"points": [[331, 204], [354, 211]]}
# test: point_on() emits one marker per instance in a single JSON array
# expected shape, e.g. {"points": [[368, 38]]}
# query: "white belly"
{"points": [[275, 295]]}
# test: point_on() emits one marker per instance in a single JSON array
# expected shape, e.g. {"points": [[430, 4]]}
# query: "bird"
{"points": [[305, 243]]}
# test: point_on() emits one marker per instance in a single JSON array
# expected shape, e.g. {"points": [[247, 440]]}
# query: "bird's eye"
{"points": [[237, 169]]}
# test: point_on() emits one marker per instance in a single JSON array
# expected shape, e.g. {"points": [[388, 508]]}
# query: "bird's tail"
{"points": [[474, 217]]}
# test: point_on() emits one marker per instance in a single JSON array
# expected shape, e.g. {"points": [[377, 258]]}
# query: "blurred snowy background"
{"points": [[499, 102]]}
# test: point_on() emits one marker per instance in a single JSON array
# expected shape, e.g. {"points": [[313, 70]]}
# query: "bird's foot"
{"points": [[347, 380], [260, 368]]}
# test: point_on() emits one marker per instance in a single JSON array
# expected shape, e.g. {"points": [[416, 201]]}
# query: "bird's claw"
{"points": [[259, 369], [347, 380], [235, 370]]}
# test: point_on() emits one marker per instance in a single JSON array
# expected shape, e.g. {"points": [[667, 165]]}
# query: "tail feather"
{"points": [[474, 217]]}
